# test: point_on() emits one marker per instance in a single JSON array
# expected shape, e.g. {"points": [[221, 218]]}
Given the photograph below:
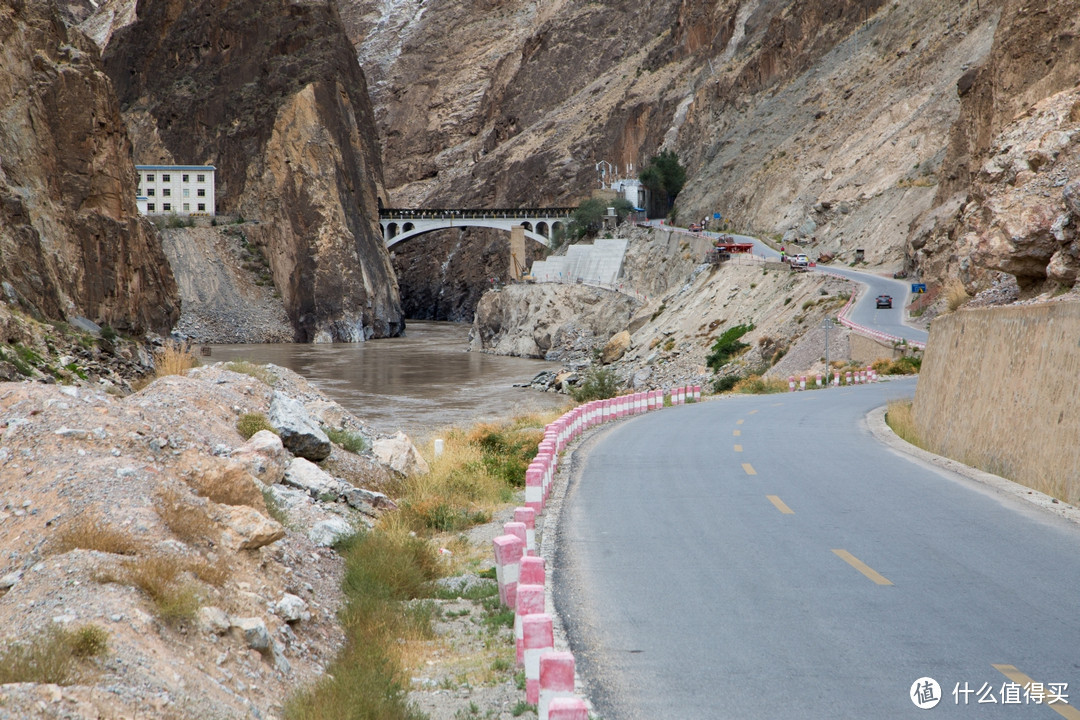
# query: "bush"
{"points": [[250, 423], [89, 531], [600, 383], [956, 295], [51, 655], [174, 358], [727, 346], [351, 441], [261, 373], [757, 385], [725, 383], [89, 641]]}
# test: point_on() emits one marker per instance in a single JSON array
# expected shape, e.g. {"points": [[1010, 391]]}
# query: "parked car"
{"points": [[884, 301]]}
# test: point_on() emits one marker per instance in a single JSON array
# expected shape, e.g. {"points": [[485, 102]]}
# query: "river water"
{"points": [[419, 383]]}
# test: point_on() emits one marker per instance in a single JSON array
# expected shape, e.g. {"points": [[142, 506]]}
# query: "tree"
{"points": [[588, 218], [665, 176]]}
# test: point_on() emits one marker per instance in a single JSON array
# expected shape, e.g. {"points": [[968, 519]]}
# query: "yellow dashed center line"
{"points": [[862, 567], [739, 422], [751, 412], [736, 433], [738, 448], [780, 505], [1059, 705], [749, 469]]}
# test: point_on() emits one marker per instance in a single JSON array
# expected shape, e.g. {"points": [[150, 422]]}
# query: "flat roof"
{"points": [[175, 167]]}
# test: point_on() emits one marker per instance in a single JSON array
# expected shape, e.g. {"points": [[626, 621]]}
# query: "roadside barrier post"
{"points": [[538, 639], [802, 383], [836, 379], [520, 531], [530, 601], [532, 571], [565, 708], [556, 679], [697, 393], [527, 516], [819, 380], [508, 553], [848, 378], [534, 487], [791, 383], [439, 445]]}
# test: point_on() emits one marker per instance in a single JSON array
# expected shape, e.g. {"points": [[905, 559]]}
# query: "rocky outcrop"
{"points": [[272, 96], [549, 320], [71, 240], [1003, 204]]}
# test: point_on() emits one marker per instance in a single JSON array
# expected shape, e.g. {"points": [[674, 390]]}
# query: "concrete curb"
{"points": [[875, 421]]}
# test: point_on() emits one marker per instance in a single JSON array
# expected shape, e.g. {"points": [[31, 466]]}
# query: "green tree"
{"points": [[587, 219], [664, 176]]}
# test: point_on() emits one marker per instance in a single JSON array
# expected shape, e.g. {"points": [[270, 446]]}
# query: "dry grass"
{"points": [[262, 373], [955, 295], [228, 484], [174, 358], [161, 578], [52, 655], [900, 417], [250, 423], [89, 531], [188, 521], [757, 385]]}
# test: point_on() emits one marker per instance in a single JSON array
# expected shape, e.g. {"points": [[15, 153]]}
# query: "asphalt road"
{"points": [[864, 312], [766, 557]]}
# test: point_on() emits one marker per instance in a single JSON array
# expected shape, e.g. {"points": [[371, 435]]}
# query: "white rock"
{"points": [[254, 631], [299, 433], [213, 620], [8, 581], [247, 528], [263, 456], [291, 609], [308, 476], [327, 532], [400, 454]]}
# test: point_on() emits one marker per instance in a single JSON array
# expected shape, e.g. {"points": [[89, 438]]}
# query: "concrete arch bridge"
{"points": [[540, 224]]}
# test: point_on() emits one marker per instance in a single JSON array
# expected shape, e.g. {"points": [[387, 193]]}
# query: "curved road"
{"points": [[765, 557], [864, 312]]}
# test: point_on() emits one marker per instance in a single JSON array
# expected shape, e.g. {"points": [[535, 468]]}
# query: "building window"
{"points": [[166, 192], [200, 178], [202, 207], [166, 207], [150, 177], [187, 207], [149, 192], [187, 193], [164, 178], [183, 178], [201, 192], [150, 207]]}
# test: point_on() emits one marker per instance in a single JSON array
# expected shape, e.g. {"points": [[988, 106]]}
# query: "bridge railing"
{"points": [[472, 213]]}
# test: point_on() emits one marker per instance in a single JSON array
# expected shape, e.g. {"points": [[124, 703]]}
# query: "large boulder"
{"points": [[264, 456], [327, 532], [309, 477], [298, 431], [399, 454], [248, 529], [616, 347]]}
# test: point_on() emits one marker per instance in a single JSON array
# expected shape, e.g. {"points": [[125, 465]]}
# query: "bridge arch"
{"points": [[539, 224], [412, 232]]}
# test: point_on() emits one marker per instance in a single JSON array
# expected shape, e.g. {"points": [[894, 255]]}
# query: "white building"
{"points": [[633, 191], [179, 189]]}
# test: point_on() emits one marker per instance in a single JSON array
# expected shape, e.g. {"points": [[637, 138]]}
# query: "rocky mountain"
{"points": [[839, 126], [270, 94], [71, 240]]}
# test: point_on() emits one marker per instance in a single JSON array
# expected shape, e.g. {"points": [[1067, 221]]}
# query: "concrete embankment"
{"points": [[997, 390]]}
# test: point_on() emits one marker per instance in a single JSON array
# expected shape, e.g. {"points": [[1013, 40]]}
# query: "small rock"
{"points": [[8, 581], [264, 456], [327, 532], [248, 529], [298, 431], [254, 631], [400, 455], [213, 620], [306, 475], [292, 609]]}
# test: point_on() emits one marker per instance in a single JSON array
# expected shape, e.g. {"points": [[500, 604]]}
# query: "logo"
{"points": [[925, 693]]}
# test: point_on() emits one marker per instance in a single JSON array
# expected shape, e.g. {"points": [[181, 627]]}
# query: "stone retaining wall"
{"points": [[997, 390]]}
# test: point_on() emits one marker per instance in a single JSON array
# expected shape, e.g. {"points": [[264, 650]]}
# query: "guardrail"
{"points": [[862, 329], [473, 213]]}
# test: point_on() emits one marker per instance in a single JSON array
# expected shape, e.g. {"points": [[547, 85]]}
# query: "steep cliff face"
{"points": [[1007, 201], [271, 94], [71, 240]]}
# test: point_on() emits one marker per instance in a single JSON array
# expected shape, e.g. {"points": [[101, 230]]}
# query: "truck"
{"points": [[724, 247]]}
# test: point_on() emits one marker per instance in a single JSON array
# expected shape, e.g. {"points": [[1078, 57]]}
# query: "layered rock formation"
{"points": [[71, 240], [273, 97]]}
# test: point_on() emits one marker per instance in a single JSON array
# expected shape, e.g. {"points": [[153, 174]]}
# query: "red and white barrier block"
{"points": [[568, 709], [527, 516], [509, 550], [530, 601], [532, 571], [556, 679], [538, 638]]}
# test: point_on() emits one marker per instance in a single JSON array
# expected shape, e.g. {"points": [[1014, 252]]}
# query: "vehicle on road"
{"points": [[798, 263], [884, 301], [694, 227]]}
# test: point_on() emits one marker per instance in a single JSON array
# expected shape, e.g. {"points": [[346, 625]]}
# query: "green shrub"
{"points": [[757, 385], [351, 441], [600, 383], [89, 641], [261, 373], [725, 383], [727, 346], [251, 423]]}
